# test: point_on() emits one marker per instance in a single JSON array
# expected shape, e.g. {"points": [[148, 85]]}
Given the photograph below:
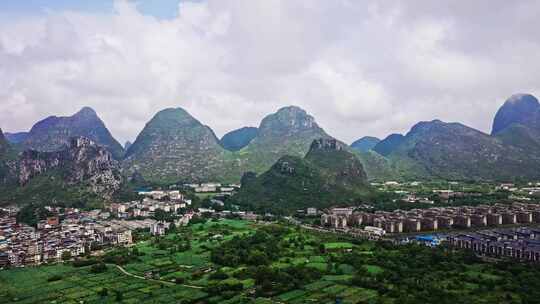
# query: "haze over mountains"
{"points": [[176, 147]]}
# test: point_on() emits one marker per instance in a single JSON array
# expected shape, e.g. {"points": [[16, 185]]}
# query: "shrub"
{"points": [[103, 292], [98, 268], [219, 275], [54, 278], [84, 262]]}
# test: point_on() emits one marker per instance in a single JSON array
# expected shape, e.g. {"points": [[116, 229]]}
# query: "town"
{"points": [[71, 232]]}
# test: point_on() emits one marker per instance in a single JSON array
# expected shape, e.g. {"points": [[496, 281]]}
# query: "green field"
{"points": [[233, 261]]}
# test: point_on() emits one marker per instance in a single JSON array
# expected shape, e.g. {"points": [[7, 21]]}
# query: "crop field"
{"points": [[33, 285], [231, 261]]}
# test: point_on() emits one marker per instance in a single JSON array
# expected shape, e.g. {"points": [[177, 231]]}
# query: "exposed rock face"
{"points": [[365, 143], [522, 109], [173, 147], [8, 163], [4, 145], [238, 139], [82, 163], [326, 144], [53, 133]]}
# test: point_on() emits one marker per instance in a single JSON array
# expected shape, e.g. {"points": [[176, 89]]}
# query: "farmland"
{"points": [[233, 261]]}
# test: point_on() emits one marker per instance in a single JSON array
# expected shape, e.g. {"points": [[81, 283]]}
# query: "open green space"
{"points": [[234, 261]]}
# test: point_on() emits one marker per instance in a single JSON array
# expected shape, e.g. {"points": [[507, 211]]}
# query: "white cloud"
{"points": [[360, 67]]}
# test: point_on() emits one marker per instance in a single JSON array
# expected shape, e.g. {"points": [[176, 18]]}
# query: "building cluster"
{"points": [[519, 243], [161, 227], [434, 218], [166, 201], [77, 233], [212, 187]]}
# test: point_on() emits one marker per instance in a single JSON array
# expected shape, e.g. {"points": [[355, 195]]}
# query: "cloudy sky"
{"points": [[360, 67]]}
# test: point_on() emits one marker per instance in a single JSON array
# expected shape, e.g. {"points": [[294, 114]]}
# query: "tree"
{"points": [[103, 292], [119, 296], [98, 268], [66, 255], [322, 248]]}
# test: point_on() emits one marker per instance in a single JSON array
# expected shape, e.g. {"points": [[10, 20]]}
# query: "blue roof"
{"points": [[427, 238]]}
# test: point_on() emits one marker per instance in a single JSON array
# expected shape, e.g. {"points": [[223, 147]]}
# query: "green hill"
{"points": [[328, 175], [174, 146]]}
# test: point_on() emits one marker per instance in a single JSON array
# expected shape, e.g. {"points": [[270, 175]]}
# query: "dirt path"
{"points": [[153, 280]]}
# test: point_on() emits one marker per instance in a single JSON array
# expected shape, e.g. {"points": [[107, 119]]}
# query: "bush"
{"points": [[84, 262], [103, 292], [54, 278], [219, 275], [98, 268]]}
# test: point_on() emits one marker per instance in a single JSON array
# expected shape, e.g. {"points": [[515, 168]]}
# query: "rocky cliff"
{"points": [[6, 161], [83, 162]]}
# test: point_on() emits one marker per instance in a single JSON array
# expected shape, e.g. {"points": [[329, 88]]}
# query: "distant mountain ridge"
{"points": [[176, 147], [365, 143], [16, 138], [453, 151], [238, 139], [53, 133], [389, 144]]}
